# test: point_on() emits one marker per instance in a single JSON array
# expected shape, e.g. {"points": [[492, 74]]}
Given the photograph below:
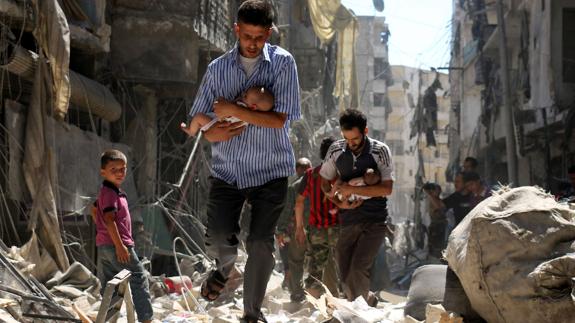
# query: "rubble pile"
{"points": [[74, 296]]}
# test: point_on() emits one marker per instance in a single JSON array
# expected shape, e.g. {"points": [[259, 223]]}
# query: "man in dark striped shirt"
{"points": [[248, 162], [363, 221], [323, 229]]}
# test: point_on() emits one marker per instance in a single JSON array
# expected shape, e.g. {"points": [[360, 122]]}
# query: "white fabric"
{"points": [[329, 17], [512, 252], [53, 35]]}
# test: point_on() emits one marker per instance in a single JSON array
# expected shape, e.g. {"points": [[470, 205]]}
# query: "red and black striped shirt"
{"points": [[322, 213]]}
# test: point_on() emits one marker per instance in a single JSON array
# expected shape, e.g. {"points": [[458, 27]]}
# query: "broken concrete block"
{"points": [[293, 307], [226, 319], [274, 287], [67, 291], [433, 313], [303, 312], [83, 303], [273, 305], [409, 319]]}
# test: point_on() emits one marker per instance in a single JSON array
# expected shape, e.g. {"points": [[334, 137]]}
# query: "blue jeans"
{"points": [[108, 267]]}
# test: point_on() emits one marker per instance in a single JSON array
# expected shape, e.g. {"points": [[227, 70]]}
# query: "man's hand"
{"points": [[224, 109], [345, 204], [122, 254], [333, 191], [345, 189], [300, 237], [224, 131], [93, 213], [280, 238]]}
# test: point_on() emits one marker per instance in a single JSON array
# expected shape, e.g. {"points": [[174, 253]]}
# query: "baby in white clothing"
{"points": [[371, 177]]}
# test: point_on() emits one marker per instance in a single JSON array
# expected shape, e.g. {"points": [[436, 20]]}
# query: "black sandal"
{"points": [[212, 287], [247, 319]]}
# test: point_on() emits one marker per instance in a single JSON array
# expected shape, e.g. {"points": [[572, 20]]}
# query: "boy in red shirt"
{"points": [[114, 233]]}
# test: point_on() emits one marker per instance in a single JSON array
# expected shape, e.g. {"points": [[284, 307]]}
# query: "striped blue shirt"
{"points": [[258, 155]]}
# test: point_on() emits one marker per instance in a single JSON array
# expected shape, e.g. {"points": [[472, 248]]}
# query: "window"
{"points": [[378, 99], [380, 68], [396, 147], [568, 45]]}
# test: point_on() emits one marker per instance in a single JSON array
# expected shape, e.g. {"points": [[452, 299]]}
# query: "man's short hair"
{"points": [[474, 163], [352, 118], [257, 13], [471, 177], [324, 147], [112, 155], [302, 162], [571, 170], [429, 186]]}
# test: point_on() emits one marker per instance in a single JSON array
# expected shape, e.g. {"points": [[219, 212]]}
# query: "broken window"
{"points": [[568, 45], [396, 146], [380, 66], [378, 99]]}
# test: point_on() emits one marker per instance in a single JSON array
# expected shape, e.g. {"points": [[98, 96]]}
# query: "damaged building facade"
{"points": [[539, 91], [79, 77], [375, 75], [416, 133]]}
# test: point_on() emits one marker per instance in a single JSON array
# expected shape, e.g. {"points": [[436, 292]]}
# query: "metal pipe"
{"points": [[190, 159], [86, 94], [548, 172], [507, 112]]}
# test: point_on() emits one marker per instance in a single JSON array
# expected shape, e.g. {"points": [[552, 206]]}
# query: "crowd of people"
{"points": [[470, 189]]}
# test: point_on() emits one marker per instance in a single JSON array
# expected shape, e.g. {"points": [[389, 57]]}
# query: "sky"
{"points": [[420, 29]]}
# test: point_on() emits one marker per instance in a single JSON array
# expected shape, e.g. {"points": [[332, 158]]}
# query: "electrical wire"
{"points": [[185, 286]]}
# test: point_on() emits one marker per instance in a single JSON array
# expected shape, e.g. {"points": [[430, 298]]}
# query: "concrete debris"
{"points": [[437, 314], [76, 292]]}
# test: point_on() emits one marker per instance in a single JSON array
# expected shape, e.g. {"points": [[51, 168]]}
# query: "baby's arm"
{"points": [[358, 181], [198, 121]]}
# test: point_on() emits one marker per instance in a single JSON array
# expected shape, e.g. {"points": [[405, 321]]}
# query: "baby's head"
{"points": [[258, 98], [371, 177]]}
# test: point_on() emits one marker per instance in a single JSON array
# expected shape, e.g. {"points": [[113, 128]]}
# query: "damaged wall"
{"points": [[154, 47], [536, 36]]}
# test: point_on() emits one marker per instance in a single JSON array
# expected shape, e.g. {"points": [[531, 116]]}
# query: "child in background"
{"points": [[114, 233], [255, 98]]}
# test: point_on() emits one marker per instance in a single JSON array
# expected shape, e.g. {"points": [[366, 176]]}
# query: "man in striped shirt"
{"points": [[363, 221], [323, 230], [248, 162]]}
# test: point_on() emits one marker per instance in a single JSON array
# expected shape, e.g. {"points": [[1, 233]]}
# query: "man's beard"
{"points": [[359, 147]]}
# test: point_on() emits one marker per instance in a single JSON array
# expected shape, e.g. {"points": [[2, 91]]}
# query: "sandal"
{"points": [[248, 319], [213, 286]]}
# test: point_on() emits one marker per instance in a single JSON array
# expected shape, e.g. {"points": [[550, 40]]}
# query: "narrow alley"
{"points": [[393, 161]]}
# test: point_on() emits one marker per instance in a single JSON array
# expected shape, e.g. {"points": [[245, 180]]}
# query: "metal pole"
{"points": [[547, 150], [507, 107], [190, 159]]}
